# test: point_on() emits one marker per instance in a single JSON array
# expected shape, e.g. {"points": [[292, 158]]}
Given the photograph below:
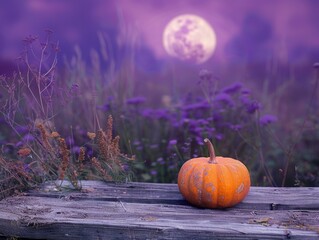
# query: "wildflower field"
{"points": [[70, 120]]}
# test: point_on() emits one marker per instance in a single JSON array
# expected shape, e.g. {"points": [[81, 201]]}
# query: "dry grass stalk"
{"points": [[109, 129], [13, 177], [81, 159], [109, 161], [102, 144], [55, 135], [74, 178], [44, 137], [115, 152], [100, 169], [109, 147], [91, 135], [116, 146], [65, 154], [51, 159], [23, 152]]}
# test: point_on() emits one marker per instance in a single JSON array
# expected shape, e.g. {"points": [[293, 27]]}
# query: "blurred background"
{"points": [[112, 60], [256, 40]]}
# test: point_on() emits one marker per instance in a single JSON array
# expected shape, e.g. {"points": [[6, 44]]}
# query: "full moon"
{"points": [[189, 38]]}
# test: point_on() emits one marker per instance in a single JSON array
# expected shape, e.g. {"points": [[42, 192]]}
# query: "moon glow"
{"points": [[189, 38]]}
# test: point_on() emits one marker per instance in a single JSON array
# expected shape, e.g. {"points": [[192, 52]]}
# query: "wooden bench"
{"points": [[156, 211]]}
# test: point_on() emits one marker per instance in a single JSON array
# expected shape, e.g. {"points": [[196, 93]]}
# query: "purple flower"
{"points": [[160, 114], [217, 117], [125, 167], [245, 91], [138, 146], [172, 142], [252, 106], [202, 121], [196, 130], [147, 113], [235, 127], [197, 106], [199, 140], [224, 98], [210, 131], [76, 149], [89, 153], [160, 160], [22, 129], [106, 107], [153, 172], [28, 138], [19, 144], [135, 100], [153, 146], [219, 136], [267, 119], [172, 167], [233, 88]]}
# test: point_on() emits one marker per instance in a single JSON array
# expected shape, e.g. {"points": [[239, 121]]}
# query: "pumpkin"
{"points": [[213, 182]]}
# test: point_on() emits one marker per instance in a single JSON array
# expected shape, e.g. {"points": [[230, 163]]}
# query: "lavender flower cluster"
{"points": [[162, 139]]}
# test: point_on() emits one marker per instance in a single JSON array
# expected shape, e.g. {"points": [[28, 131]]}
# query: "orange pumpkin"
{"points": [[214, 182]]}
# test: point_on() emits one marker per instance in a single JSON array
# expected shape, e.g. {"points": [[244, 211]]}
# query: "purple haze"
{"points": [[250, 30]]}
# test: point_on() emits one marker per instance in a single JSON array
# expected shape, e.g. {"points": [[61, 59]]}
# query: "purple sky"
{"points": [[248, 31], [257, 41]]}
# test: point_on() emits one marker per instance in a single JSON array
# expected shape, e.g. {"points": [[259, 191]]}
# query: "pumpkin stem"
{"points": [[212, 156]]}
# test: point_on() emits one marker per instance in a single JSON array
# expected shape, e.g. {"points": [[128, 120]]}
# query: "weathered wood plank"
{"points": [[259, 197], [70, 221], [156, 211]]}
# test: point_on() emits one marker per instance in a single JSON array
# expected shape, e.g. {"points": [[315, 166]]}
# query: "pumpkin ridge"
{"points": [[241, 186], [222, 181], [236, 177], [182, 181], [190, 183], [217, 183], [208, 186], [202, 171]]}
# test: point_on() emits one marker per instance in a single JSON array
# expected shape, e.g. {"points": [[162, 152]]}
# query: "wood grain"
{"points": [[156, 211]]}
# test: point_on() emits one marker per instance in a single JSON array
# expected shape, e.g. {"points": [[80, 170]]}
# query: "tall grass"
{"points": [[57, 131], [33, 108]]}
